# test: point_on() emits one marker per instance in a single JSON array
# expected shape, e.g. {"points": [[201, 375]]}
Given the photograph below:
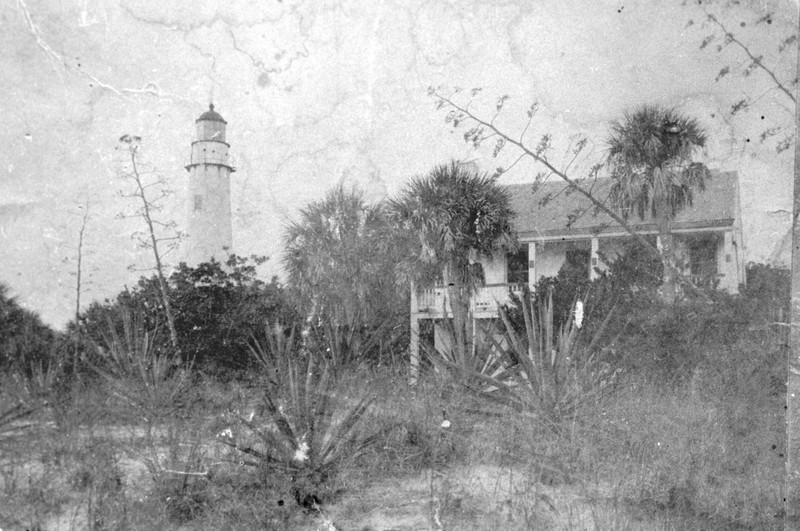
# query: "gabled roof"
{"points": [[547, 211]]}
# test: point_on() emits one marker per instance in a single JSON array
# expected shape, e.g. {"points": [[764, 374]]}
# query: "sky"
{"points": [[320, 92]]}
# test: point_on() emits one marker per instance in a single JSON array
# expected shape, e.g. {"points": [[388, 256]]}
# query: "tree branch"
{"points": [[540, 158], [755, 60]]}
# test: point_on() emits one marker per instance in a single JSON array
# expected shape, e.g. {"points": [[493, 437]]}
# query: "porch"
{"points": [[434, 303]]}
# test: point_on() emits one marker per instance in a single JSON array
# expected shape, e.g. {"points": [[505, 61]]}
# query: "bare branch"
{"points": [[531, 112], [539, 156], [149, 239], [515, 162], [756, 61]]}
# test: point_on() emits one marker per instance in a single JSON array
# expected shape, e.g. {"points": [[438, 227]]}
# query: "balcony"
{"points": [[218, 159], [434, 302]]}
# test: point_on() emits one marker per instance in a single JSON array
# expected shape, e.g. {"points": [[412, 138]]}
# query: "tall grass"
{"points": [[631, 451]]}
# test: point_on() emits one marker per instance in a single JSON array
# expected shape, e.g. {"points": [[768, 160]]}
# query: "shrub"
{"points": [[309, 424], [25, 341], [769, 289], [217, 308], [468, 363], [556, 370], [671, 343], [144, 378]]}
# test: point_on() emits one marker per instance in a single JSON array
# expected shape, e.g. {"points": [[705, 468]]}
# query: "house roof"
{"points": [[545, 212]]}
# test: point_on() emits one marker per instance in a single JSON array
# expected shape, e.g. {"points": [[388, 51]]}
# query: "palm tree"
{"points": [[650, 158], [452, 216], [340, 260]]}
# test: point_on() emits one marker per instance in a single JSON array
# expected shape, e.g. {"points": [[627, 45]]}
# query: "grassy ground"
{"points": [[702, 453]]}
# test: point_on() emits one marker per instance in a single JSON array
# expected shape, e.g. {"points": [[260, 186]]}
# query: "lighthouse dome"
{"points": [[211, 115]]}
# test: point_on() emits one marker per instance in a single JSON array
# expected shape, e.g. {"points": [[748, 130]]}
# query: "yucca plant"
{"points": [[546, 371], [346, 345], [140, 374], [10, 415], [29, 389], [479, 366], [306, 427]]}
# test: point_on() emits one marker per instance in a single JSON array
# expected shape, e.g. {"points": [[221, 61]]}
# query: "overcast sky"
{"points": [[318, 92]]}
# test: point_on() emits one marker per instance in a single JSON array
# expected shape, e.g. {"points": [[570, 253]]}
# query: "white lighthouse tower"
{"points": [[209, 220]]}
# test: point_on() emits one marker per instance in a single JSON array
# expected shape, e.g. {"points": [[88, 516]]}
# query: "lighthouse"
{"points": [[209, 192]]}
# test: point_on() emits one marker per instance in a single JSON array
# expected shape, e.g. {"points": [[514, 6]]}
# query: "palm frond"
{"points": [[650, 157], [452, 211]]}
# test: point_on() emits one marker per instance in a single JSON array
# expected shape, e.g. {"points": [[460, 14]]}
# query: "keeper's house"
{"points": [[558, 226]]}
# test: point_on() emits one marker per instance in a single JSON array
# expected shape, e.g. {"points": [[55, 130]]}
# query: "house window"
{"points": [[518, 265], [198, 202], [703, 257]]}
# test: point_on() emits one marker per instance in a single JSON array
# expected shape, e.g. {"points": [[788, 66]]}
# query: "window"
{"points": [[198, 202], [517, 264]]}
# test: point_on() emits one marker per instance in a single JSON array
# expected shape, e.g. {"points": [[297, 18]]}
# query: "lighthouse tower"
{"points": [[209, 219]]}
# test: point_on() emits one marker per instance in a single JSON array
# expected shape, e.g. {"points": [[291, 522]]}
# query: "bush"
{"points": [[146, 380], [310, 421], [769, 288], [548, 371], [668, 343], [218, 309], [25, 342]]}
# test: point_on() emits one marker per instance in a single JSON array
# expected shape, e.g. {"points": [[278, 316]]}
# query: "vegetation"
{"points": [[650, 157], [24, 340], [630, 451], [218, 308], [340, 259], [137, 172], [551, 371], [452, 217], [592, 405], [306, 428]]}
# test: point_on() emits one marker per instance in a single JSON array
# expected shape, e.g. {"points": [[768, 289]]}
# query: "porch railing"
{"points": [[436, 300]]}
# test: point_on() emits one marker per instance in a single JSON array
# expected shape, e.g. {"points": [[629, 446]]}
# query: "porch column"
{"points": [[728, 264], [413, 344], [531, 265], [413, 349], [594, 261]]}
